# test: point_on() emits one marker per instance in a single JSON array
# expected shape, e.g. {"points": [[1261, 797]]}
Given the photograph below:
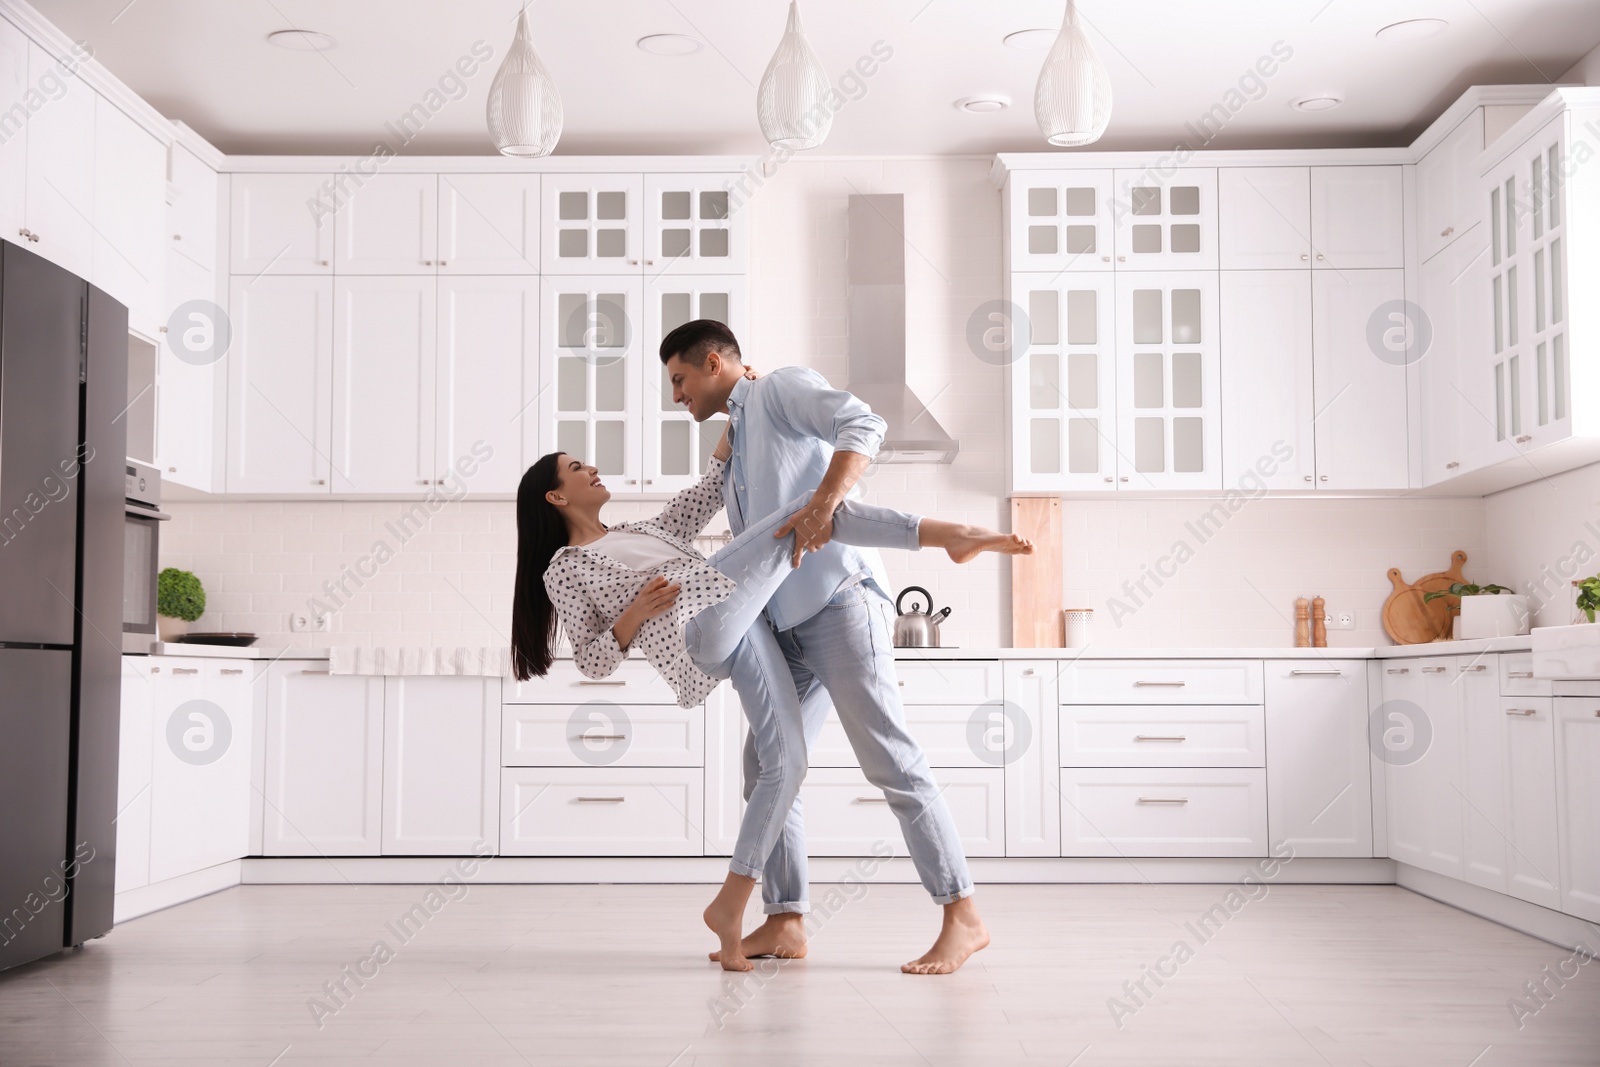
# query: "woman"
{"points": [[612, 587]]}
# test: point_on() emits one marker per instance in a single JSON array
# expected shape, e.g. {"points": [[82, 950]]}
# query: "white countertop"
{"points": [[184, 648]]}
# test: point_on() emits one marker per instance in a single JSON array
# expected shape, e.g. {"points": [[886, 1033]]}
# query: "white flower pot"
{"points": [[1492, 615], [169, 628]]}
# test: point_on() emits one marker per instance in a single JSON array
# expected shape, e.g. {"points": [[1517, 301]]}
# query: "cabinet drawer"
{"points": [[1516, 676], [1195, 681], [847, 816], [602, 811], [1142, 735], [949, 681], [941, 729], [598, 733], [1163, 812], [633, 682]]}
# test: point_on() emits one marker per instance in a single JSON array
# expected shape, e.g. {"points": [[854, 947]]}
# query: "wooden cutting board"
{"points": [[1408, 619], [1036, 589]]}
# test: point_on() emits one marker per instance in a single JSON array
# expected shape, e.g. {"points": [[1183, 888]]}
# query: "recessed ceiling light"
{"points": [[1317, 102], [982, 105], [1412, 30], [302, 40], [1032, 40], [669, 44]]}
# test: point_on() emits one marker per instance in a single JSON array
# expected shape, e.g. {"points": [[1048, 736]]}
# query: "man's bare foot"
{"points": [[783, 935], [972, 540], [725, 917], [963, 934]]}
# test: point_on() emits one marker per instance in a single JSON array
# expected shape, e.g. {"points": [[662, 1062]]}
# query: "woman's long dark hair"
{"points": [[541, 533]]}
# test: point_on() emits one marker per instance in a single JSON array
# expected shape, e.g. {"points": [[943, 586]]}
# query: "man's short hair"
{"points": [[694, 341]]}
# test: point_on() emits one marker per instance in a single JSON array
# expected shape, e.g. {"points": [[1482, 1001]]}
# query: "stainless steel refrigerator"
{"points": [[63, 442]]}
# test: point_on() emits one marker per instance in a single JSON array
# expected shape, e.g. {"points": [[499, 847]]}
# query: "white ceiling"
{"points": [[207, 63]]}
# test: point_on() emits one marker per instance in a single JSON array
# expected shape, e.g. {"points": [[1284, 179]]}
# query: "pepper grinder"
{"points": [[1319, 623], [1302, 622]]}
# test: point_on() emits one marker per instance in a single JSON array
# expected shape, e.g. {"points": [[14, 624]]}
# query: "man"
{"points": [[791, 433]]}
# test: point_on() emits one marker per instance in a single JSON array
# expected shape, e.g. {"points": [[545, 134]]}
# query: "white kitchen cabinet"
{"points": [[1447, 189], [1191, 681], [192, 207], [1454, 408], [384, 345], [1319, 784], [203, 726], [13, 134], [1268, 394], [441, 765], [1163, 811], [1533, 855], [602, 811], [284, 223], [1424, 794], [186, 385], [690, 227], [1168, 398], [591, 354], [280, 378], [489, 224], [676, 447], [600, 733], [1361, 409], [1357, 219], [1577, 755], [1032, 776], [1162, 735], [130, 200], [487, 379], [1060, 220], [1165, 223], [1485, 782], [323, 792], [1263, 218], [390, 225], [848, 816], [61, 166], [136, 738], [1063, 383], [593, 224]]}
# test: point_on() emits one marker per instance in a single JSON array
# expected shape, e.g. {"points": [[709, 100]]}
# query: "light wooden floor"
{"points": [[511, 975]]}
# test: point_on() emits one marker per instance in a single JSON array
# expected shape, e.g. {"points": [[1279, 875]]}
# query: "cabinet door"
{"points": [[1486, 842], [1166, 223], [13, 134], [1360, 395], [441, 766], [1456, 420], [186, 385], [385, 337], [1264, 218], [390, 225], [847, 816], [1419, 729], [1268, 401], [324, 764], [676, 447], [280, 376], [1064, 383], [1447, 200], [1356, 218], [1533, 863], [1319, 785], [283, 223], [487, 380], [1030, 723], [133, 771], [192, 214], [489, 224], [602, 811], [130, 203], [1578, 804], [1168, 429], [1060, 220], [590, 357], [592, 223], [200, 770], [61, 165], [690, 227]]}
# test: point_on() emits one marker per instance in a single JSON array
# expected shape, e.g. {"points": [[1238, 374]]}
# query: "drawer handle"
{"points": [[602, 681], [186, 670], [1320, 670], [1163, 800], [304, 671], [1398, 670], [1519, 674], [871, 800], [1435, 670], [1471, 667], [600, 737], [1158, 737], [601, 800], [1522, 711], [231, 670], [1173, 684]]}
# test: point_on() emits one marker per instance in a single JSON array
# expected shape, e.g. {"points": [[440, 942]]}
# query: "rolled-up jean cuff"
{"points": [[960, 894], [792, 907], [743, 870]]}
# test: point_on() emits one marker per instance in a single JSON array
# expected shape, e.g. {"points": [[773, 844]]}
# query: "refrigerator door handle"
{"points": [[145, 513]]}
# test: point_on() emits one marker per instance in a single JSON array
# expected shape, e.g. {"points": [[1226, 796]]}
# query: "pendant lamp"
{"points": [[524, 111], [792, 100], [1073, 98]]}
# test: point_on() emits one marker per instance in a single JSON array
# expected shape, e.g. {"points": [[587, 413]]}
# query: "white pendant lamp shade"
{"points": [[524, 109], [1073, 99], [791, 102]]}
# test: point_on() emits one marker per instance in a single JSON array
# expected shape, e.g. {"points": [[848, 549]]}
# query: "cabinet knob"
{"points": [[427, 263], [1324, 478], [1522, 711], [1525, 438], [424, 481], [1108, 478], [631, 481], [1123, 478], [1105, 259], [177, 237], [1447, 231], [1122, 259], [1452, 465], [163, 329], [172, 470], [444, 263], [1304, 256], [1308, 477], [1321, 257], [438, 481], [649, 481], [633, 262], [322, 262], [319, 481]]}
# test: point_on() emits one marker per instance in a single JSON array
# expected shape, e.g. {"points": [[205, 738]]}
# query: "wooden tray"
{"points": [[1408, 619]]}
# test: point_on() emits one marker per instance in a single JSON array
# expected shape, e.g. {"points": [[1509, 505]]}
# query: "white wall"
{"points": [[1585, 71], [1542, 536], [451, 585]]}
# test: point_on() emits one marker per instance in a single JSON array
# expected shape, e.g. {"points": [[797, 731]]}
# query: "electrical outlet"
{"points": [[303, 622], [1340, 620]]}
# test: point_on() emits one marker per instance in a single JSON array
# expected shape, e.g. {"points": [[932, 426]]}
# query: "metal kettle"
{"points": [[917, 628]]}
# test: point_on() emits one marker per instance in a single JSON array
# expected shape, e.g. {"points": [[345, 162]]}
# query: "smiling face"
{"points": [[703, 390], [578, 484]]}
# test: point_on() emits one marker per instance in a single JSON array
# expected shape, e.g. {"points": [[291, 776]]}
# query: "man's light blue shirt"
{"points": [[784, 428]]}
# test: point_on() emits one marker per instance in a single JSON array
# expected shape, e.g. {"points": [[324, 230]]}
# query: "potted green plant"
{"points": [[1588, 599], [180, 600], [1484, 612]]}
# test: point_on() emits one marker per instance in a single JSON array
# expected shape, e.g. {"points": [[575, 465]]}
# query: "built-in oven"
{"points": [[141, 546]]}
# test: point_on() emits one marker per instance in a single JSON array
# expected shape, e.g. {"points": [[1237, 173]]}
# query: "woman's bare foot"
{"points": [[963, 934], [783, 935], [725, 917], [972, 540]]}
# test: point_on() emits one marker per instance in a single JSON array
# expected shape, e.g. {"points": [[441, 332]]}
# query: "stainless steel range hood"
{"points": [[876, 255]]}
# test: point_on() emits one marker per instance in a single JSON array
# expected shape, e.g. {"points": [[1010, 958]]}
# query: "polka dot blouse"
{"points": [[590, 590]]}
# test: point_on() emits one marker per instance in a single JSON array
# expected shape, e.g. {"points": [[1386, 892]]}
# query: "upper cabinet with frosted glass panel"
{"points": [[1165, 223], [1106, 219], [1169, 433], [591, 357], [676, 448], [642, 224], [1059, 220], [692, 225]]}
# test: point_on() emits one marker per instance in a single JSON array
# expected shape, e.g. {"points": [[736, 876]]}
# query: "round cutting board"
{"points": [[1410, 620]]}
